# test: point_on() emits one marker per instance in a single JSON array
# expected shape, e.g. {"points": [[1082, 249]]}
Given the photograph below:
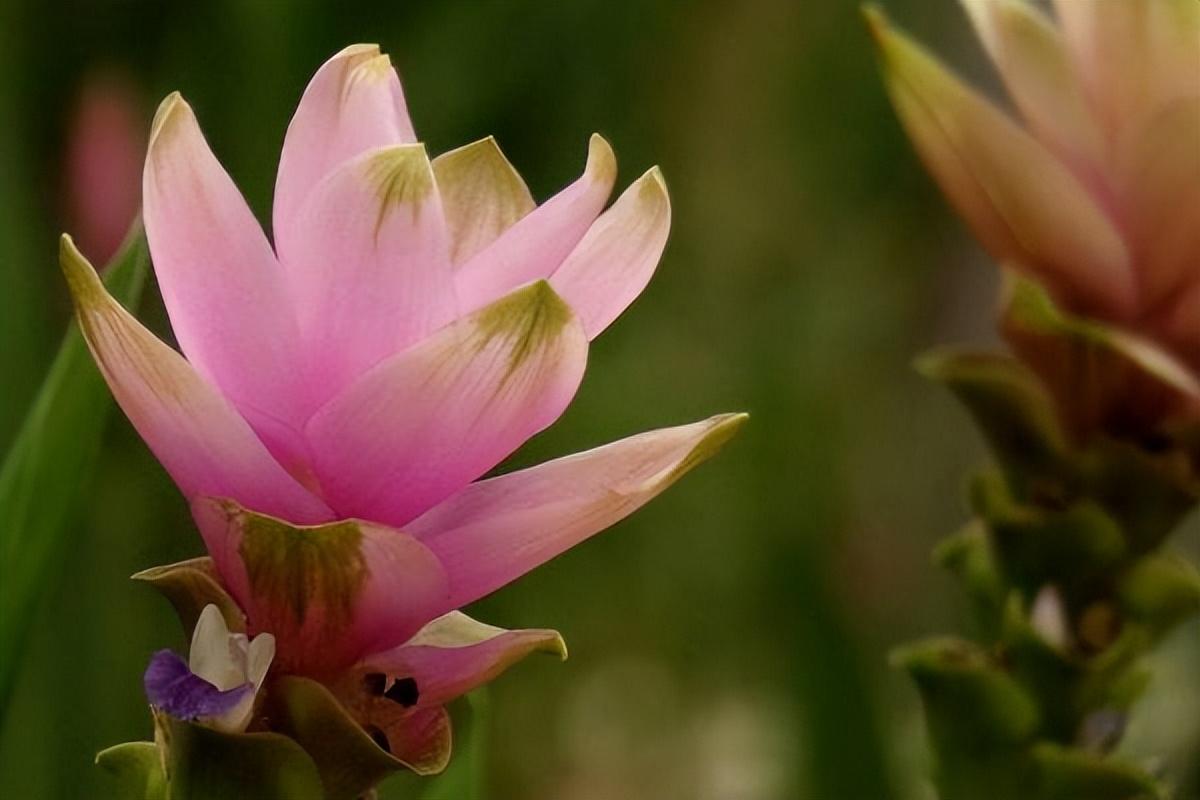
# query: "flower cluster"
{"points": [[340, 392], [1094, 194]]}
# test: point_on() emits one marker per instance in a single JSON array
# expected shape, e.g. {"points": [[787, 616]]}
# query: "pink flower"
{"points": [[104, 147], [1095, 192], [415, 322]]}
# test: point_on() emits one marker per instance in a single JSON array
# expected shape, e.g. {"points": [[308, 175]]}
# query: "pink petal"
{"points": [[420, 738], [1023, 203], [494, 531], [329, 593], [219, 279], [1133, 57], [535, 247], [1038, 71], [1158, 177], [614, 262], [353, 104], [194, 431], [454, 654], [421, 425], [368, 265]]}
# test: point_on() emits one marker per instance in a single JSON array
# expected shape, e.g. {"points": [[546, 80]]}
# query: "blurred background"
{"points": [[728, 642]]}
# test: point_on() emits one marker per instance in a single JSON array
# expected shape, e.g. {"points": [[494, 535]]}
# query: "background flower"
{"points": [[1096, 197]]}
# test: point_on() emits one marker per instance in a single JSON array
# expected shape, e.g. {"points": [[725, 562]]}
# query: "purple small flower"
{"points": [[218, 683], [175, 689]]}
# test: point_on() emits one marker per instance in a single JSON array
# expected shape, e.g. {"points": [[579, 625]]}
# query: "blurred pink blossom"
{"points": [[105, 142]]}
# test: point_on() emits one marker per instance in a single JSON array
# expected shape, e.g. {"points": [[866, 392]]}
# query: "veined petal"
{"points": [[1134, 56], [453, 655], [1032, 58], [368, 265], [496, 530], [220, 282], [482, 194], [194, 431], [329, 593], [421, 425], [1023, 203], [535, 246], [353, 103], [614, 262]]}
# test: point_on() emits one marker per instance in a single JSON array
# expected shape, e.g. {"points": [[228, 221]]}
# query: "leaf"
{"points": [[190, 586], [1037, 545], [204, 764], [1160, 590], [1010, 405], [137, 768], [1068, 773], [968, 556], [972, 706], [48, 468], [349, 762]]}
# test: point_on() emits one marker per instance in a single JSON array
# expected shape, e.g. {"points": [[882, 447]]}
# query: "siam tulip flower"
{"points": [[340, 393], [1091, 191], [105, 142], [218, 683]]}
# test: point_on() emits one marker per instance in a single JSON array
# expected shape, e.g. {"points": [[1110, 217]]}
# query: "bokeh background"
{"points": [[729, 642]]}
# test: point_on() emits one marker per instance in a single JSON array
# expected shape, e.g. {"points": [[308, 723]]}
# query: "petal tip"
{"points": [[601, 161], [360, 49], [169, 111], [877, 22], [374, 67], [82, 279], [721, 429], [556, 645], [652, 189]]}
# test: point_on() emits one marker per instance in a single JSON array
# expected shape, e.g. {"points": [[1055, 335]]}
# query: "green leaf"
{"points": [[1037, 545], [45, 474], [980, 720], [190, 586], [1160, 591], [1069, 773], [137, 768], [204, 764], [1011, 406], [349, 762], [1049, 674], [968, 556], [1148, 493], [972, 705]]}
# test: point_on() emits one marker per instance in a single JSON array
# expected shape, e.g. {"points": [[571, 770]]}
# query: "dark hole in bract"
{"points": [[379, 737], [404, 691]]}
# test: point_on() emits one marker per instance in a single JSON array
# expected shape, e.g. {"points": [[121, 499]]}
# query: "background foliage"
{"points": [[728, 642]]}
